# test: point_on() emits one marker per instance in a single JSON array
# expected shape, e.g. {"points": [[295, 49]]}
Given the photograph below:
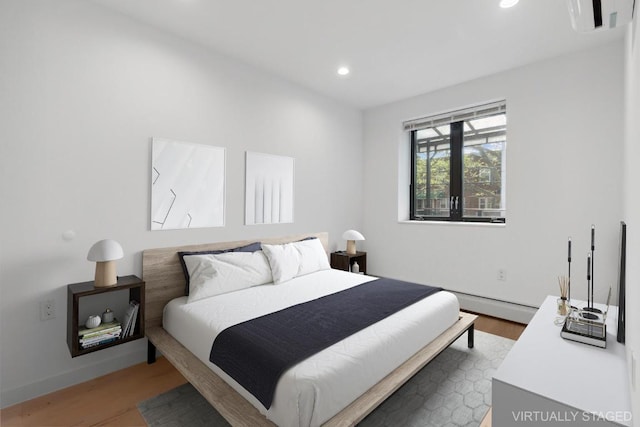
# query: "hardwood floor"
{"points": [[111, 400], [501, 327]]}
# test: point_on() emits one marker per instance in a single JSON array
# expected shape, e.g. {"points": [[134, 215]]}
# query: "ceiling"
{"points": [[395, 48]]}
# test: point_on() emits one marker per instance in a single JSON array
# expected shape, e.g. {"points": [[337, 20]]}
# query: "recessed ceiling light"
{"points": [[343, 71], [508, 3]]}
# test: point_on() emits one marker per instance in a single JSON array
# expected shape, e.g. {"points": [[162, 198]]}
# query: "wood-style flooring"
{"points": [[111, 400]]}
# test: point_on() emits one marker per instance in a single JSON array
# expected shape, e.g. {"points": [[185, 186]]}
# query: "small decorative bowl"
{"points": [[93, 322]]}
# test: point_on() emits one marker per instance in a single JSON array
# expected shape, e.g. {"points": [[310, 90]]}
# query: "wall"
{"points": [[563, 174], [632, 206], [83, 92]]}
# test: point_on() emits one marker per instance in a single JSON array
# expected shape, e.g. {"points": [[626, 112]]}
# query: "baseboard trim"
{"points": [[496, 308], [69, 378]]}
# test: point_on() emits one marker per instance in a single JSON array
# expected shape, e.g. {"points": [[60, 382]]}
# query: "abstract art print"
{"points": [[187, 185], [269, 189]]}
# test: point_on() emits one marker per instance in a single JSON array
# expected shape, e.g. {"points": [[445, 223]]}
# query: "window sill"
{"points": [[455, 223]]}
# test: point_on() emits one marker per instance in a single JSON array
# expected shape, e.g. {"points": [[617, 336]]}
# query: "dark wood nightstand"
{"points": [[344, 261], [76, 291]]}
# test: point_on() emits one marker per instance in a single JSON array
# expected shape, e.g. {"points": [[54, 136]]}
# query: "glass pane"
{"points": [[431, 192], [426, 133], [497, 121], [484, 153]]}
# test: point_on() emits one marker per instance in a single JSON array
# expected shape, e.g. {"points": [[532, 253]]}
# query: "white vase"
{"points": [[93, 322], [107, 316]]}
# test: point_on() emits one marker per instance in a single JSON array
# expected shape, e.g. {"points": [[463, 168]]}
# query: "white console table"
{"points": [[546, 380]]}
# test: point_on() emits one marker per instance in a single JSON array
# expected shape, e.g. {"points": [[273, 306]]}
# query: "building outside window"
{"points": [[458, 163]]}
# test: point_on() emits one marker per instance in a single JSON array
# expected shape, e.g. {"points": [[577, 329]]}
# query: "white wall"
{"points": [[565, 119], [83, 91], [632, 206]]}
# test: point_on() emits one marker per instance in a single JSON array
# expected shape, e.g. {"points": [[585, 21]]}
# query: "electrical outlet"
{"points": [[502, 275], [47, 309]]}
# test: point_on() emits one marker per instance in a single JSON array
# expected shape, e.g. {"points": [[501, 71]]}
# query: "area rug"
{"points": [[454, 389]]}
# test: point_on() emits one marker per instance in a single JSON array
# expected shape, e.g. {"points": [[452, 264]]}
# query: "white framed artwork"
{"points": [[187, 185], [269, 183]]}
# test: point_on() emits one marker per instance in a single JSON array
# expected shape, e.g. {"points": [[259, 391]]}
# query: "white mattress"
{"points": [[319, 387]]}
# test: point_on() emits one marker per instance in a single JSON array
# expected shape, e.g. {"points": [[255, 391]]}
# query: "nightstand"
{"points": [[343, 261], [128, 288]]}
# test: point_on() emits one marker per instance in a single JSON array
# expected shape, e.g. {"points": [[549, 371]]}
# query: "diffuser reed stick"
{"points": [[563, 282]]}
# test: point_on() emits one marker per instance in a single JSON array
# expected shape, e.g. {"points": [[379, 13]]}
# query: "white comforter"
{"points": [[314, 390]]}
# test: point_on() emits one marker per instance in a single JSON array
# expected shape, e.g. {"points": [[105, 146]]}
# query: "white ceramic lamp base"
{"points": [[351, 247]]}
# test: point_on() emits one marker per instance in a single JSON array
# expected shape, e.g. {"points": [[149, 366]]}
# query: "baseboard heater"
{"points": [[508, 310]]}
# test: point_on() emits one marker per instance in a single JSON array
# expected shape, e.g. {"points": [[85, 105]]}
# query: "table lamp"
{"points": [[105, 253], [351, 236]]}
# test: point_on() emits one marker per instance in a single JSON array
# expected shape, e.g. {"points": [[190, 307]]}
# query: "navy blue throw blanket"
{"points": [[257, 352]]}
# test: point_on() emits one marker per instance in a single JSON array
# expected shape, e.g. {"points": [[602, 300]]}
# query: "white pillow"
{"points": [[216, 274], [295, 259], [284, 261], [313, 257]]}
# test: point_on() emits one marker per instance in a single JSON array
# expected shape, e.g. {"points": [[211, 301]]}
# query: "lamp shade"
{"points": [[351, 236], [105, 250], [104, 253]]}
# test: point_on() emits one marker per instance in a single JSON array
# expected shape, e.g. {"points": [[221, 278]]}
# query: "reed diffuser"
{"points": [[563, 302]]}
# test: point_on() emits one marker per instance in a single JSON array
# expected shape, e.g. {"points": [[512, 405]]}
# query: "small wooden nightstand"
{"points": [[76, 291], [344, 261]]}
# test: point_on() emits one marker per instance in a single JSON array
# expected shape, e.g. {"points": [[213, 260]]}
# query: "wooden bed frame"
{"points": [[162, 273]]}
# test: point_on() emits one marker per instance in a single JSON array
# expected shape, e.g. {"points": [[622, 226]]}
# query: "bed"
{"points": [[316, 390]]}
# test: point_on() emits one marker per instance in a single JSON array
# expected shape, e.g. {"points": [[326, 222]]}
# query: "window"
{"points": [[458, 165], [485, 202]]}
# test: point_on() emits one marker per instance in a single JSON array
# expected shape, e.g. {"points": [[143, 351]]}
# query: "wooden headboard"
{"points": [[164, 280]]}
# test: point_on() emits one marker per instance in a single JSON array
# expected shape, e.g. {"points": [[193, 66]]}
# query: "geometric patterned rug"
{"points": [[454, 389]]}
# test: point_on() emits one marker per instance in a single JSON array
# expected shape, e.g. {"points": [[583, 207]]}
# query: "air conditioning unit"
{"points": [[591, 15]]}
